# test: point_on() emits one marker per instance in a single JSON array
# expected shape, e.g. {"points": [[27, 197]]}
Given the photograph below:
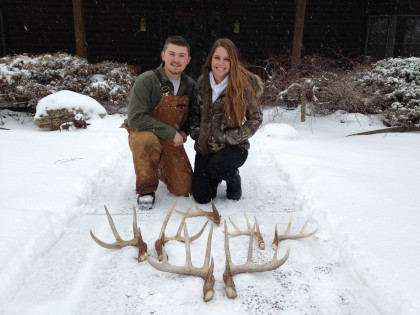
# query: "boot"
{"points": [[146, 201], [233, 188]]}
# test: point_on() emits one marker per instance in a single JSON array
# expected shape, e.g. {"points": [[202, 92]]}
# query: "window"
{"points": [[393, 36], [407, 36]]}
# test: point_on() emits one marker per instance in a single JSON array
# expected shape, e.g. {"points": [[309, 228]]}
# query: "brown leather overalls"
{"points": [[156, 158]]}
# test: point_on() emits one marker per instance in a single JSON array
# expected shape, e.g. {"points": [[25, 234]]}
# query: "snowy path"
{"points": [[75, 276]]}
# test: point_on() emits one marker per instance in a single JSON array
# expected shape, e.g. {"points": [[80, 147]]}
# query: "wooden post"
{"points": [[297, 36], [79, 28], [307, 98], [303, 102]]}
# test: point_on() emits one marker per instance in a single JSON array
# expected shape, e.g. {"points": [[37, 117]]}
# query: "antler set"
{"points": [[206, 271]]}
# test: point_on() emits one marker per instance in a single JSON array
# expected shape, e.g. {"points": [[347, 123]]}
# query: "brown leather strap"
{"points": [[166, 90]]}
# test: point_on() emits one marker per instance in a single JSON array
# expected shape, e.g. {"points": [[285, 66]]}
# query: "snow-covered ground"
{"points": [[361, 192]]}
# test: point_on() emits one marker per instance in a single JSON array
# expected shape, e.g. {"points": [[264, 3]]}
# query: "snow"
{"points": [[361, 192], [71, 100]]}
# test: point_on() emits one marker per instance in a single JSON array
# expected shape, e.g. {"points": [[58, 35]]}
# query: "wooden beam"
{"points": [[298, 36], [79, 28]]}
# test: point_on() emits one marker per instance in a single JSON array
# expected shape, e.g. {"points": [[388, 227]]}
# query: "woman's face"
{"points": [[220, 64]]}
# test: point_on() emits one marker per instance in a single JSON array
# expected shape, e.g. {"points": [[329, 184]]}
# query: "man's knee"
{"points": [[181, 187], [180, 190]]}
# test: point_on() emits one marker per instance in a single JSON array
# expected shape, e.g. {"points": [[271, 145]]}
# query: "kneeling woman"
{"points": [[227, 113]]}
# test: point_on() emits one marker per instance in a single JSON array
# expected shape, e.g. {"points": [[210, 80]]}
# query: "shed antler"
{"points": [[160, 242], [213, 216], [205, 272], [249, 266], [237, 232], [137, 240], [287, 236]]}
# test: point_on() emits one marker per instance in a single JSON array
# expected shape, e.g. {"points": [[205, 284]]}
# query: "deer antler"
{"points": [[287, 236], [205, 272], [261, 243], [213, 216], [249, 266], [137, 240], [161, 241]]}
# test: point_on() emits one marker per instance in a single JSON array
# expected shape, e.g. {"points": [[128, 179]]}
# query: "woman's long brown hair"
{"points": [[238, 84]]}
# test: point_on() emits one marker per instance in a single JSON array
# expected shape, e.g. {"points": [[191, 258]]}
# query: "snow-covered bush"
{"points": [[398, 81], [390, 87], [25, 78]]}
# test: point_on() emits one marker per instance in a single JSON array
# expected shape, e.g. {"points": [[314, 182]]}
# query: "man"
{"points": [[157, 124]]}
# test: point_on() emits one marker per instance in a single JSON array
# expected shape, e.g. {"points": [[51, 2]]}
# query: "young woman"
{"points": [[226, 114]]}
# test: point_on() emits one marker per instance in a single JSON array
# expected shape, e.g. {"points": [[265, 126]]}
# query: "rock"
{"points": [[56, 109]]}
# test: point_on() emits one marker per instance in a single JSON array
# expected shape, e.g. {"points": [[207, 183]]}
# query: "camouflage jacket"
{"points": [[208, 122]]}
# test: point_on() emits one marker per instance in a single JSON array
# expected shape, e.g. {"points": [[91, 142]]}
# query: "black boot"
{"points": [[233, 188]]}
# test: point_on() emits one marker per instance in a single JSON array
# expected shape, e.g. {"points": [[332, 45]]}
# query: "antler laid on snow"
{"points": [[137, 240], [160, 242], [205, 272], [287, 236], [237, 232], [249, 266], [213, 216]]}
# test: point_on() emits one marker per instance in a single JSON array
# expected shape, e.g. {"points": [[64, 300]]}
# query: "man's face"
{"points": [[176, 59]]}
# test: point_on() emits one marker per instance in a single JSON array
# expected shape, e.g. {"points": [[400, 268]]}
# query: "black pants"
{"points": [[211, 169]]}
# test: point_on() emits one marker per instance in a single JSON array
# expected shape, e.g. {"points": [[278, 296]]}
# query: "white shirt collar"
{"points": [[217, 88]]}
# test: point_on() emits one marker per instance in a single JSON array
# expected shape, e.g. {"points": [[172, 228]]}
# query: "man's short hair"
{"points": [[177, 40]]}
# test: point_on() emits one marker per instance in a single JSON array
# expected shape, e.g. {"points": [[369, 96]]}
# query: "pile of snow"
{"points": [[73, 102]]}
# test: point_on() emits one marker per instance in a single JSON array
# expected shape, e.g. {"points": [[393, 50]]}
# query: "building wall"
{"points": [[393, 7], [335, 27], [38, 26], [113, 31], [266, 27]]}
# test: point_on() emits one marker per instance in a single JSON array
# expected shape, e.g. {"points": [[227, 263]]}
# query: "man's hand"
{"points": [[178, 139]]}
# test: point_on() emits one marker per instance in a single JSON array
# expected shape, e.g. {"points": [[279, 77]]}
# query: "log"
{"points": [[387, 130]]}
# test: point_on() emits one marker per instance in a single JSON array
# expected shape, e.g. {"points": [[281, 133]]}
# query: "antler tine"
{"points": [[238, 231], [160, 242], [261, 243], [208, 291], [119, 241], [227, 275], [142, 248], [216, 215], [180, 238], [205, 272], [163, 239], [137, 240], [213, 216], [287, 236], [248, 266]]}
